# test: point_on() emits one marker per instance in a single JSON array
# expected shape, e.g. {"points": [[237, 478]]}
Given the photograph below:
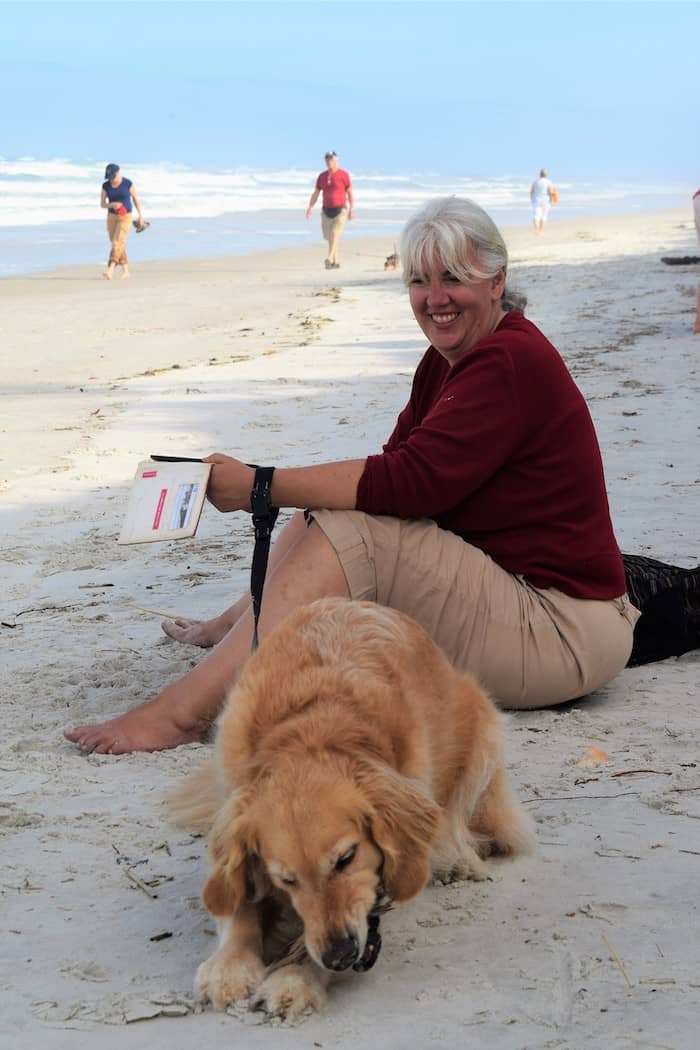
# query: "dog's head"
{"points": [[391, 262], [332, 836]]}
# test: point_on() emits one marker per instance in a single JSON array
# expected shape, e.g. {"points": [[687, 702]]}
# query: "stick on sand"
{"points": [[155, 612]]}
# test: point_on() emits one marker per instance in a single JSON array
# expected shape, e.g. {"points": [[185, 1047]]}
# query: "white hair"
{"points": [[464, 238]]}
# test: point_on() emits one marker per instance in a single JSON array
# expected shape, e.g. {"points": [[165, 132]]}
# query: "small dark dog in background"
{"points": [[392, 261]]}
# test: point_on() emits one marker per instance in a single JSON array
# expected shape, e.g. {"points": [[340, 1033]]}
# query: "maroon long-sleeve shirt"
{"points": [[501, 449]]}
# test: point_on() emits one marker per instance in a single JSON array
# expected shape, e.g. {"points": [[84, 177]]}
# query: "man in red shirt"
{"points": [[336, 187]]}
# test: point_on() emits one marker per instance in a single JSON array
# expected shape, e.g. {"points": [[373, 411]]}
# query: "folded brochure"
{"points": [[166, 500]]}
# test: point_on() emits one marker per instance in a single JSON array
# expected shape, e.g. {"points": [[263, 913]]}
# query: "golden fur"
{"points": [[351, 761]]}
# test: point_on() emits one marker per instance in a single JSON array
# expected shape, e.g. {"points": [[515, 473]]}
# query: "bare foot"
{"points": [[154, 726], [107, 275], [124, 276], [204, 633]]}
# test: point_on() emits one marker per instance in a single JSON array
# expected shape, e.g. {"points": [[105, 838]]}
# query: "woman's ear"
{"points": [[231, 845], [404, 822], [498, 284]]}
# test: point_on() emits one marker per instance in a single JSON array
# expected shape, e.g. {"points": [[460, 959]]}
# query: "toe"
{"points": [[88, 743], [101, 747], [117, 747], [176, 628], [82, 736]]}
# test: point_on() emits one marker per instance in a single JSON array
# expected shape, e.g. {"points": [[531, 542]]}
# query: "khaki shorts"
{"points": [[528, 647], [331, 226]]}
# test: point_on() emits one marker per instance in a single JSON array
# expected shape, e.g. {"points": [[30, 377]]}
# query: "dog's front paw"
{"points": [[472, 868], [224, 978], [468, 866], [291, 992]]}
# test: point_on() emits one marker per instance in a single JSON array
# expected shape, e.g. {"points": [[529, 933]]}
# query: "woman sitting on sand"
{"points": [[118, 196], [485, 517]]}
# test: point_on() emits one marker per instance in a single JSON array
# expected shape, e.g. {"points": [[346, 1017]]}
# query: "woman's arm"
{"points": [[104, 202], [331, 485]]}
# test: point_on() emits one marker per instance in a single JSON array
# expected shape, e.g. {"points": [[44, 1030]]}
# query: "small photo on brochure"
{"points": [[184, 503]]}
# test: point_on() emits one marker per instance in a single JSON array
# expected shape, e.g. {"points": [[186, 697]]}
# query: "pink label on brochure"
{"points": [[149, 474], [159, 509]]}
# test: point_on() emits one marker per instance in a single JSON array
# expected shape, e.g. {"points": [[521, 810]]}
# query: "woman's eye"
{"points": [[346, 859], [418, 281], [450, 278]]}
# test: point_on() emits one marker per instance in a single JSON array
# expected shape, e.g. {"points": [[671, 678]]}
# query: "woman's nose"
{"points": [[437, 292]]}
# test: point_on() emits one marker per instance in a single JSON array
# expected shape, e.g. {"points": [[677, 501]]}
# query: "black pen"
{"points": [[176, 459]]}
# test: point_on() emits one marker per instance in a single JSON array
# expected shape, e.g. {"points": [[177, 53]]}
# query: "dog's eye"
{"points": [[288, 882], [346, 859]]}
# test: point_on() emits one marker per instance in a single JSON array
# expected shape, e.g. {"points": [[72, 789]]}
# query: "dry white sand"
{"points": [[592, 942]]}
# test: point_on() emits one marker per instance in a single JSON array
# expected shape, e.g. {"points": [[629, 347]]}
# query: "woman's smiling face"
{"points": [[453, 315]]}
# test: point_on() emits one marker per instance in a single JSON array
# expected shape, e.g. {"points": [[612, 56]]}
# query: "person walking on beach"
{"points": [[338, 205], [119, 198], [484, 517], [541, 192]]}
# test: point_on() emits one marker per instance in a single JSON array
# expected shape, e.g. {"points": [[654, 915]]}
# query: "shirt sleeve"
{"points": [[431, 465]]}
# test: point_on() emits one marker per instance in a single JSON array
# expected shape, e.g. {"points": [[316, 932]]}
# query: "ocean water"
{"points": [[50, 214]]}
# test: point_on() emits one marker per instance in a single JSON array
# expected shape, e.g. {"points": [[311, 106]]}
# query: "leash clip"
{"points": [[264, 514]]}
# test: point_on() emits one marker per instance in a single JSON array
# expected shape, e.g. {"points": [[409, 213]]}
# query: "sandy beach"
{"points": [[591, 942]]}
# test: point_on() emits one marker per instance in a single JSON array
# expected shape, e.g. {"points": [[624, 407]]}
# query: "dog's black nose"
{"points": [[341, 953]]}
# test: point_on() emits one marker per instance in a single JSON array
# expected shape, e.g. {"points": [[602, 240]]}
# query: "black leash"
{"points": [[373, 944], [264, 518]]}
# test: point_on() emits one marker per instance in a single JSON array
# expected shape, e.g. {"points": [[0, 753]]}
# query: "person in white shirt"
{"points": [[541, 197]]}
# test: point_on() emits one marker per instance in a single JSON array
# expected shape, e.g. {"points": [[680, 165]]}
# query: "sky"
{"points": [[589, 90]]}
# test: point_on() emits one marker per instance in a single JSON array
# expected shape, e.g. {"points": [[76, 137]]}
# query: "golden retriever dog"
{"points": [[351, 762]]}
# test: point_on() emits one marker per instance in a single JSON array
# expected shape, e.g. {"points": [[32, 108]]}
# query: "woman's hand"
{"points": [[230, 483]]}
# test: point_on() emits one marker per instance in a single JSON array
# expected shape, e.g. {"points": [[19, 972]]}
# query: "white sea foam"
{"points": [[41, 192], [50, 215]]}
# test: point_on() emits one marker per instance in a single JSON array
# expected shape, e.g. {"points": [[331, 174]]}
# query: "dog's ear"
{"points": [[236, 875], [404, 822]]}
